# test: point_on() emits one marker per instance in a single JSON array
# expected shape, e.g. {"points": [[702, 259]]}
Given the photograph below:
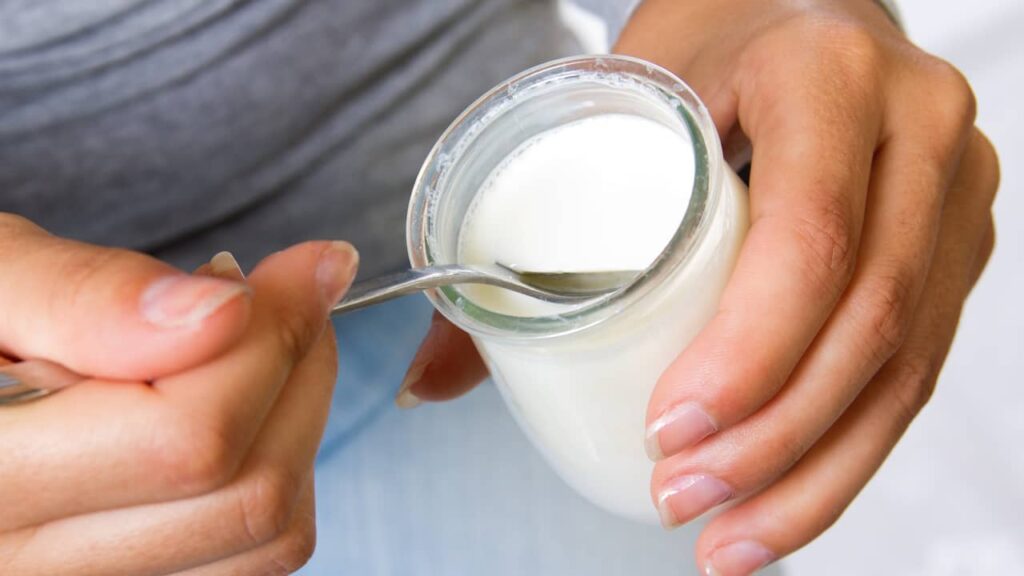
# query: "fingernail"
{"points": [[405, 398], [224, 264], [336, 270], [738, 559], [687, 497], [678, 429], [180, 301]]}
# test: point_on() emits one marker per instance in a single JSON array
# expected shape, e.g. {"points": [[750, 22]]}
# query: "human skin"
{"points": [[871, 193], [192, 407]]}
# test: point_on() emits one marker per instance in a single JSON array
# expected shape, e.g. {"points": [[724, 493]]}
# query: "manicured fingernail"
{"points": [[336, 270], [223, 264], [687, 497], [405, 397], [678, 429], [183, 301], [738, 559]]}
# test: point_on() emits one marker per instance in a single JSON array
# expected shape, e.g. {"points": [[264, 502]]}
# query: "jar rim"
{"points": [[656, 81]]}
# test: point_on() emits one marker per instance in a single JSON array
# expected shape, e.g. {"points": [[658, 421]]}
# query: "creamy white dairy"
{"points": [[606, 192], [603, 193]]}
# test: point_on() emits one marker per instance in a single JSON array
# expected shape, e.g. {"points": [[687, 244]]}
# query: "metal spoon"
{"points": [[558, 286]]}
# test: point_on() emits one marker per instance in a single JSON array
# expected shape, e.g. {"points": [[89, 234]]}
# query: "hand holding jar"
{"points": [[869, 208]]}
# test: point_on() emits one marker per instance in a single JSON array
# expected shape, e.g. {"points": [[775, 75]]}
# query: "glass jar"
{"points": [[578, 382]]}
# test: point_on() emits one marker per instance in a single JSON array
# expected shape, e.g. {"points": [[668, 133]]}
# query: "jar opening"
{"points": [[535, 101]]}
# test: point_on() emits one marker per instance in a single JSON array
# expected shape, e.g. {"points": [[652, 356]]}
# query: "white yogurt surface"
{"points": [[605, 192], [602, 193]]}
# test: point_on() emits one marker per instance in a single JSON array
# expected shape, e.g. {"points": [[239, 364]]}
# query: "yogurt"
{"points": [[603, 193], [592, 163]]}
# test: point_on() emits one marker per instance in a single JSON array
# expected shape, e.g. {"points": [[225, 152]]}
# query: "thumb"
{"points": [[107, 312], [446, 366]]}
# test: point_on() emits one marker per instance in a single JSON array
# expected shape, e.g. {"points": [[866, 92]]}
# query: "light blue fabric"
{"points": [[453, 489]]}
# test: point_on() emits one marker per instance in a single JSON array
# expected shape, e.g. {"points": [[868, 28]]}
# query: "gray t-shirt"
{"points": [[184, 127]]}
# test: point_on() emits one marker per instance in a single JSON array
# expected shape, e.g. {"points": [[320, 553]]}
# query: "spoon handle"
{"points": [[382, 288], [387, 287]]}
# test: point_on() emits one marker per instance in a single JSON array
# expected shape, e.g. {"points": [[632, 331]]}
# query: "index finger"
{"points": [[226, 401], [813, 142]]}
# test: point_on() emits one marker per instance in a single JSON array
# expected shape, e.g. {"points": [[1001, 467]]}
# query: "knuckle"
{"points": [[83, 271], [948, 109], [85, 266], [821, 510], [838, 53], [826, 238], [294, 549], [855, 48], [787, 449], [988, 170], [886, 308], [958, 102], [295, 331], [984, 253], [846, 43], [988, 243], [819, 518], [191, 458], [266, 502], [913, 381]]}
